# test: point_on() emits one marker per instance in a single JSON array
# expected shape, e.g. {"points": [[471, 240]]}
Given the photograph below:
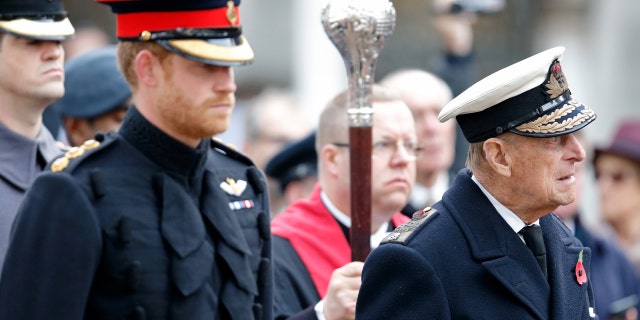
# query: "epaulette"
{"points": [[401, 233], [229, 150], [73, 154]]}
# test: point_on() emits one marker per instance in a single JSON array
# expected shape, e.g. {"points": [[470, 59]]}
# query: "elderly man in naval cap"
{"points": [[492, 248]]}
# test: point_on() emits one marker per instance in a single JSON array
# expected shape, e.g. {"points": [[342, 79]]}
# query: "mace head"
{"points": [[359, 28]]}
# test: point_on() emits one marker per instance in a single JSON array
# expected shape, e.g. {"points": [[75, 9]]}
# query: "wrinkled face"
{"points": [[437, 138], [543, 170], [32, 69], [195, 100], [393, 170], [618, 186]]}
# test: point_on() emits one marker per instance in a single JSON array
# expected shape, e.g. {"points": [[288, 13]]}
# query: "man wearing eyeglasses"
{"points": [[314, 278]]}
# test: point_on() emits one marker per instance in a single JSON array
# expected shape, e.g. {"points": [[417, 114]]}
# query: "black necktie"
{"points": [[533, 238]]}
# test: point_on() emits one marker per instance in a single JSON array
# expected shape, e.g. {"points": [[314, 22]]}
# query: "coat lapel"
{"points": [[529, 289], [183, 229], [566, 293]]}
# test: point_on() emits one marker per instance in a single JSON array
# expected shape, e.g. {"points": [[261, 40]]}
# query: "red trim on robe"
{"points": [[307, 221]]}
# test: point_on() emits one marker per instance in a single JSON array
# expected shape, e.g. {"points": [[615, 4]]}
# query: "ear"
{"points": [[330, 156], [498, 158], [148, 68]]}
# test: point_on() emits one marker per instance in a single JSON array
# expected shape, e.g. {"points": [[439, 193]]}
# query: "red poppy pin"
{"points": [[581, 274]]}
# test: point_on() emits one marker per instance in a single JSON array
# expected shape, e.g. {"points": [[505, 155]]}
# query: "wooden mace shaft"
{"points": [[360, 173]]}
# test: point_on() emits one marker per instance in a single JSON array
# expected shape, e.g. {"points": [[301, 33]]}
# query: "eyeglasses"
{"points": [[387, 148], [616, 177]]}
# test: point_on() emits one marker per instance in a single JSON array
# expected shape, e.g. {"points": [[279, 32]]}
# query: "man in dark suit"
{"points": [[156, 220], [490, 249]]}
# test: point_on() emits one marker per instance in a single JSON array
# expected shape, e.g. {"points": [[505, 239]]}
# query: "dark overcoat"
{"points": [[465, 262], [142, 227]]}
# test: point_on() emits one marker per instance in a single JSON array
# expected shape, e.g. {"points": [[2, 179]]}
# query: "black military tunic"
{"points": [[142, 227]]}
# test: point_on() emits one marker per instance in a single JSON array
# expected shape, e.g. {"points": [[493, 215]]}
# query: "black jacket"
{"points": [[142, 227]]}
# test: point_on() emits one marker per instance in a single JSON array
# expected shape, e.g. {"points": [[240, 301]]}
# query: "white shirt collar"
{"points": [[339, 215], [511, 218]]}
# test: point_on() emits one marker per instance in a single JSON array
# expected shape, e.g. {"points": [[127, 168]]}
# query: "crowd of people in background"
{"points": [[117, 199]]}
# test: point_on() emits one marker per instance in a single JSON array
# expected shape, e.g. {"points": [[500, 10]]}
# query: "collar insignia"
{"points": [[233, 187]]}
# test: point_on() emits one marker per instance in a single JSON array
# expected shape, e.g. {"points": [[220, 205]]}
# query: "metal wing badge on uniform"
{"points": [[233, 187], [236, 188]]}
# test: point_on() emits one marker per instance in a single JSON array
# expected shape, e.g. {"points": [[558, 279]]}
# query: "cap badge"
{"points": [[232, 16], [557, 83], [233, 187]]}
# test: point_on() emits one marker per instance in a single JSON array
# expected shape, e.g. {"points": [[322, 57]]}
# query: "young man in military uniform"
{"points": [[157, 220], [31, 78]]}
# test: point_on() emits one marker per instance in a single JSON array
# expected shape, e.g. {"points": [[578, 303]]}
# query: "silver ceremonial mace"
{"points": [[359, 29]]}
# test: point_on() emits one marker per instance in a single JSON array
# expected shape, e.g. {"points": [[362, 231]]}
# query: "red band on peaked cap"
{"points": [[130, 25]]}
